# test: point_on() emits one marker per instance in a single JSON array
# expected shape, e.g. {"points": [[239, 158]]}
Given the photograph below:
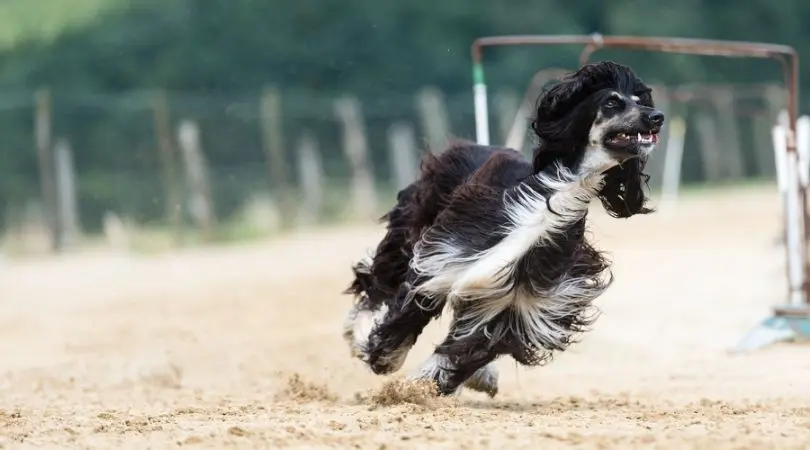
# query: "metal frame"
{"points": [[517, 131], [689, 93], [790, 320]]}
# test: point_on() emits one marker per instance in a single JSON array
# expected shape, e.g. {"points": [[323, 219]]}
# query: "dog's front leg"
{"points": [[390, 341], [465, 357]]}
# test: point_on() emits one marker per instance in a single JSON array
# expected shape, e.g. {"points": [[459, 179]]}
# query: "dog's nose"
{"points": [[655, 118]]}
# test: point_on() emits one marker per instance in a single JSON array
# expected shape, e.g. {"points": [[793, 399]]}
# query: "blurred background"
{"points": [[150, 124], [184, 185]]}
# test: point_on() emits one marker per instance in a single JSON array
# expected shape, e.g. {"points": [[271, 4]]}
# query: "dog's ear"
{"points": [[552, 123], [556, 101], [623, 193]]}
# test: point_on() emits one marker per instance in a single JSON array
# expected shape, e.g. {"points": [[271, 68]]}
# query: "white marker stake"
{"points": [[671, 182], [481, 112], [803, 147], [795, 231], [517, 133], [780, 152]]}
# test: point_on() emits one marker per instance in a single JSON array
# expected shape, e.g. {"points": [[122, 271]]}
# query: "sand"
{"points": [[240, 347]]}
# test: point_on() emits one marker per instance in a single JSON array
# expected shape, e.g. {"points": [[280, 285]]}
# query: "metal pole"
{"points": [[797, 227]]}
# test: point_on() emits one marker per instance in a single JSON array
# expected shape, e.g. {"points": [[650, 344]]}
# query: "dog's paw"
{"points": [[484, 380], [385, 360], [358, 324]]}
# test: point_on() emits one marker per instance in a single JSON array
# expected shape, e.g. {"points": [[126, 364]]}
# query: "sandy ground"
{"points": [[240, 347]]}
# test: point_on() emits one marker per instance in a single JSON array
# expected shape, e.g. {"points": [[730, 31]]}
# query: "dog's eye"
{"points": [[612, 104]]}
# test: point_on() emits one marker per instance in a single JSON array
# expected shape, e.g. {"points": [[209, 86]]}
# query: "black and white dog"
{"points": [[501, 239]]}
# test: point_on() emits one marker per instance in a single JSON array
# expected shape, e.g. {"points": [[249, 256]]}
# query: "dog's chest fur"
{"points": [[517, 260]]}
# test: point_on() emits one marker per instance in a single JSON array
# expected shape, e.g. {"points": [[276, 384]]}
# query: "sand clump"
{"points": [[399, 391], [305, 391]]}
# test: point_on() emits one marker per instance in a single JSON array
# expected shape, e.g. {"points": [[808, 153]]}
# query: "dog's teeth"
{"points": [[639, 137]]}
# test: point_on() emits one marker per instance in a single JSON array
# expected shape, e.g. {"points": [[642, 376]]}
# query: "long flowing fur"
{"points": [[502, 240]]}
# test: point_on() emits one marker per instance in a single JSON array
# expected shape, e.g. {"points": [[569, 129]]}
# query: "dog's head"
{"points": [[601, 119]]}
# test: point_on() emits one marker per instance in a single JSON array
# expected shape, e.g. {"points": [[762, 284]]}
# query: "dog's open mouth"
{"points": [[625, 139]]}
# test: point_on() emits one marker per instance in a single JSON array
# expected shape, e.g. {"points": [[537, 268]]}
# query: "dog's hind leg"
{"points": [[462, 360], [484, 380], [377, 281]]}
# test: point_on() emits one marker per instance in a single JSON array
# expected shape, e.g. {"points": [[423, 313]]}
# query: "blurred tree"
{"points": [[313, 49]]}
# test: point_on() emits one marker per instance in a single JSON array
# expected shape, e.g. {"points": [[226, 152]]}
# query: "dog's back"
{"points": [[441, 175], [416, 209]]}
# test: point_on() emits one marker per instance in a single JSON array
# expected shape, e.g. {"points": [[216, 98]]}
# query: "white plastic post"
{"points": [[517, 133], [803, 147], [671, 182], [481, 112], [795, 231], [780, 152]]}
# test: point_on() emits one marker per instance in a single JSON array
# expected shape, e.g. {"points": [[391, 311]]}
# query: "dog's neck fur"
{"points": [[538, 210], [545, 221], [583, 159]]}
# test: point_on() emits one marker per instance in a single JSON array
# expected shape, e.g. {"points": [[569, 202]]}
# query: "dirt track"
{"points": [[241, 347]]}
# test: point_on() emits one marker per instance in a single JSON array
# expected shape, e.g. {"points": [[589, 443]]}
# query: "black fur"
{"points": [[460, 200], [565, 113]]}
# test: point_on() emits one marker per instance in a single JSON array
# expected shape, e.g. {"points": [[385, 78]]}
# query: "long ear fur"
{"points": [[561, 122], [555, 101], [560, 99], [623, 193]]}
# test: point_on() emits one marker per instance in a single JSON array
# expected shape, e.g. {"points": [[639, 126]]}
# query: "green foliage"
{"points": [[44, 21], [104, 58]]}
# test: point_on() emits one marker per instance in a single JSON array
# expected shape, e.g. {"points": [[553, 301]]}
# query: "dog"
{"points": [[501, 239]]}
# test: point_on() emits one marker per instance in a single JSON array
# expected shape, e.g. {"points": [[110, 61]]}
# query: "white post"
{"points": [[507, 104], [795, 232], [402, 154], [780, 153], [274, 149], [789, 181], [803, 147], [116, 231], [728, 138], [779, 136], [436, 125], [671, 182], [310, 174], [355, 147], [481, 113], [201, 204], [67, 208], [714, 167], [517, 134], [780, 162]]}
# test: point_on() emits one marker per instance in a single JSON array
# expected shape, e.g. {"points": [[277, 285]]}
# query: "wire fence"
{"points": [[265, 164]]}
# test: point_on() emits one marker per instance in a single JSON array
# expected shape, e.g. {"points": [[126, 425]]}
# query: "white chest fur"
{"points": [[481, 284]]}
